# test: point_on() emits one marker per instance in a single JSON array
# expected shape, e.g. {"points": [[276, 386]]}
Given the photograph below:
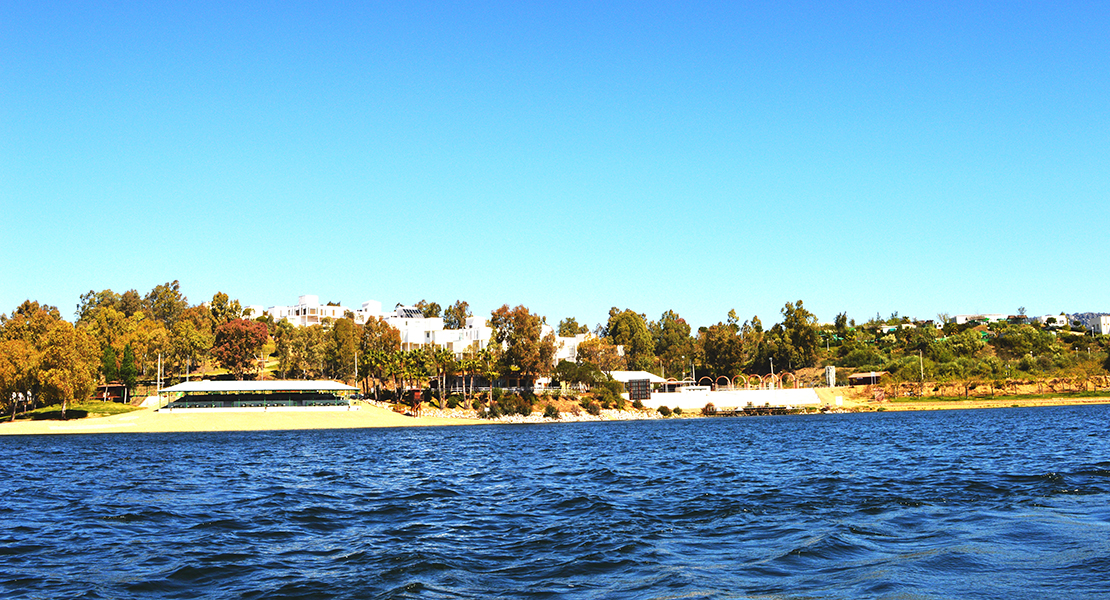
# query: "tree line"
{"points": [[128, 337]]}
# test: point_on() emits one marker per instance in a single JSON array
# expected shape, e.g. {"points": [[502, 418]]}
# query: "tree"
{"points": [[342, 346], [601, 353], [307, 351], [128, 373], [70, 365], [19, 365], [722, 349], [93, 300], [524, 350], [569, 327], [237, 345], [629, 329], [282, 332], [188, 343], [130, 303], [222, 309], [800, 334], [429, 309], [165, 303], [455, 316], [672, 341], [108, 366], [378, 341]]}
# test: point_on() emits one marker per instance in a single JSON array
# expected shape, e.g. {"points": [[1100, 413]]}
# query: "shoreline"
{"points": [[369, 416]]}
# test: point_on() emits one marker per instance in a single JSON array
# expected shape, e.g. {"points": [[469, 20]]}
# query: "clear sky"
{"points": [[866, 157]]}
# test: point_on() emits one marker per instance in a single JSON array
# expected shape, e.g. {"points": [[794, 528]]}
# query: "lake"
{"points": [[1007, 503]]}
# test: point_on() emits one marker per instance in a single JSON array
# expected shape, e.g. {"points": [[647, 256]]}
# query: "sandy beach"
{"points": [[368, 416], [149, 421]]}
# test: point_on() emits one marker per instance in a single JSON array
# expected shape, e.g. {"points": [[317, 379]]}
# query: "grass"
{"points": [[75, 410]]}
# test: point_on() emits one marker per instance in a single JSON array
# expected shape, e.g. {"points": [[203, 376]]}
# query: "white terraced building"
{"points": [[416, 330]]}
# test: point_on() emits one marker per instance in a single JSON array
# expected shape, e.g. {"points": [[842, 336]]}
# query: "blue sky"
{"points": [[862, 157]]}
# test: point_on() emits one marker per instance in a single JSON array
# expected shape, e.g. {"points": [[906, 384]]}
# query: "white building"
{"points": [[1052, 320], [1102, 325], [308, 311], [986, 318], [416, 330]]}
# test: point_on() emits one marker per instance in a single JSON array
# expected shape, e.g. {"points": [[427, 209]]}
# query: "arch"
{"points": [[727, 381], [769, 380], [792, 376], [705, 378]]}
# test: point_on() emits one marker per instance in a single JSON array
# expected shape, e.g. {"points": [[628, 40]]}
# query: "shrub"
{"points": [[663, 410], [709, 409], [454, 401], [497, 393], [550, 412], [678, 411], [593, 408], [638, 405], [513, 404]]}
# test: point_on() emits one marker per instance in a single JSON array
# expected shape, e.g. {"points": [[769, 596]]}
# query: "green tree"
{"points": [[601, 353], [569, 327], [524, 350], [629, 329], [455, 316], [800, 334], [282, 332], [128, 373], [93, 300], [165, 303], [672, 341], [189, 344], [342, 346], [108, 366], [237, 345], [307, 351], [222, 309], [429, 309], [722, 349], [841, 324]]}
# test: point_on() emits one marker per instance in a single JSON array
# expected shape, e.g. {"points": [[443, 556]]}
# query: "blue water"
{"points": [[1011, 503]]}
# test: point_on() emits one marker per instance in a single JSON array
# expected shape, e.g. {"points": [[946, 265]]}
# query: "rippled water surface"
{"points": [[1010, 503]]}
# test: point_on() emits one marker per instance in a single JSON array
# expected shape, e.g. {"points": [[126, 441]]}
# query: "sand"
{"points": [[149, 421]]}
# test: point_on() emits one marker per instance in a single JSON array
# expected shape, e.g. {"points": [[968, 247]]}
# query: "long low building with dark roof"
{"points": [[260, 395]]}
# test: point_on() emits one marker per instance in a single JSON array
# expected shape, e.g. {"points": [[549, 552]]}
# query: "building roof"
{"points": [[273, 385], [626, 376]]}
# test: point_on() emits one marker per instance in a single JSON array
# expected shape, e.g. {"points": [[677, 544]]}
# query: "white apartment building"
{"points": [[1102, 325], [1052, 320], [416, 330], [308, 311]]}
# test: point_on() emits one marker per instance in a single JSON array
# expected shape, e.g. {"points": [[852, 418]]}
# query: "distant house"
{"points": [[868, 378], [1052, 320], [980, 318], [1101, 325]]}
